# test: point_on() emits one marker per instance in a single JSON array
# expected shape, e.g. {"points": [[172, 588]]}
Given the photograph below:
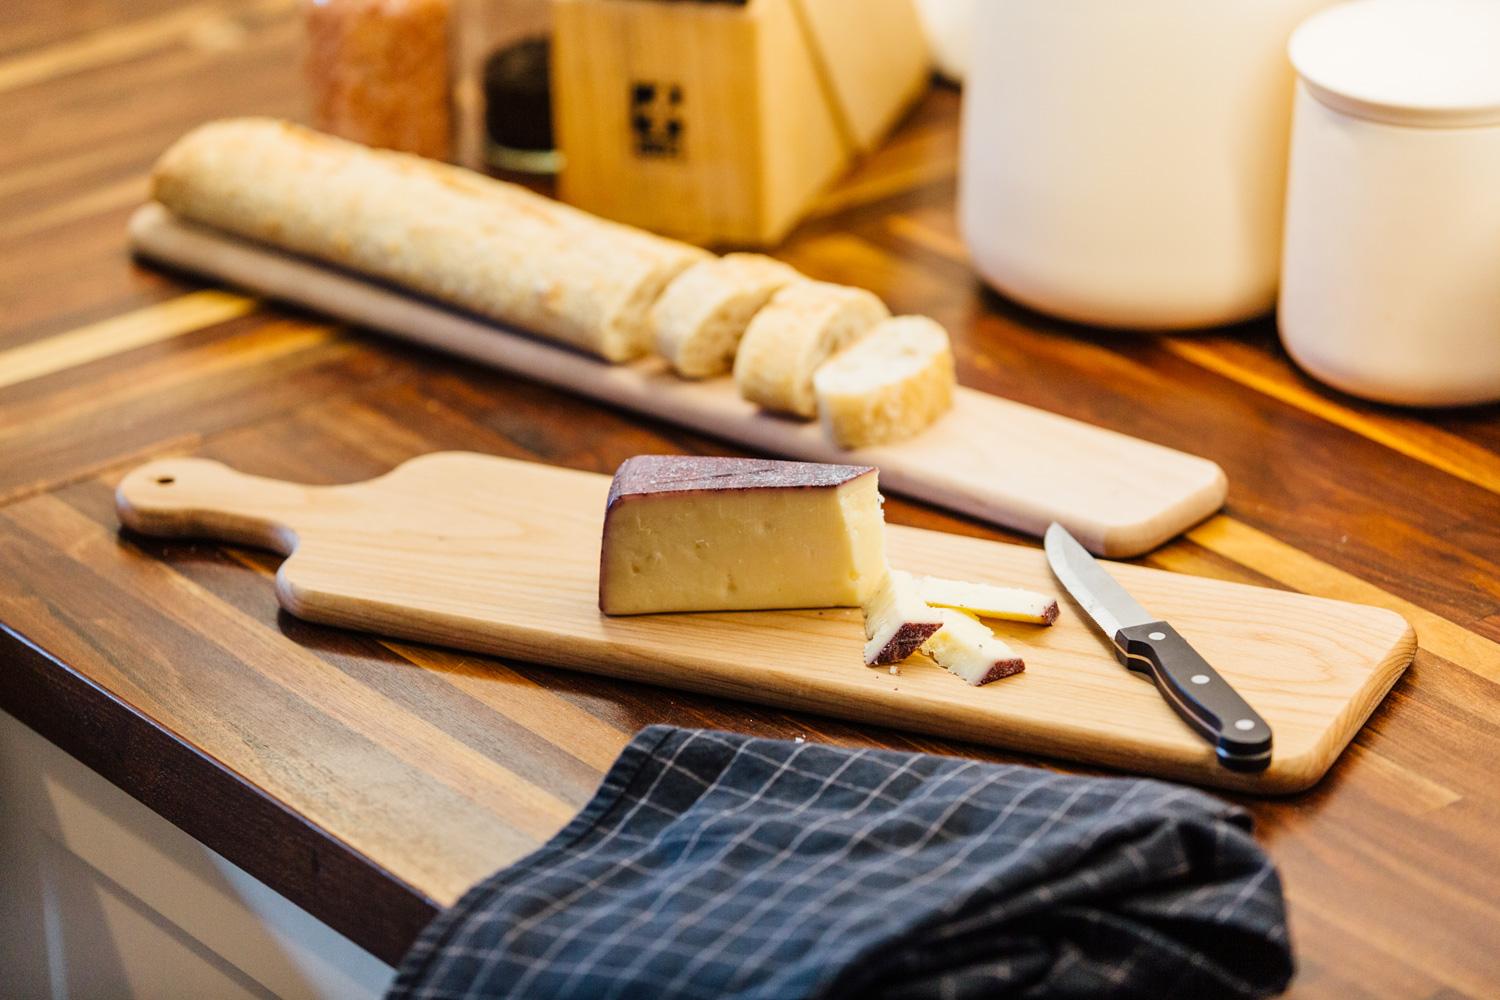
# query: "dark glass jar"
{"points": [[502, 85]]}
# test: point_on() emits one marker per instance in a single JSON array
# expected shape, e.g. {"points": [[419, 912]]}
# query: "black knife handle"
{"points": [[1195, 690]]}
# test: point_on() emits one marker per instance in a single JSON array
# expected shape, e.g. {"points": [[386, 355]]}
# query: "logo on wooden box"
{"points": [[656, 118]]}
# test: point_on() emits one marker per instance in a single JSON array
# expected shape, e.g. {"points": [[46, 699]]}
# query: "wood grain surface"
{"points": [[1003, 462], [498, 556], [371, 781]]}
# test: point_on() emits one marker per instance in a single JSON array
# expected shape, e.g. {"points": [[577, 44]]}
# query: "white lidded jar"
{"points": [[1391, 281], [1124, 161]]}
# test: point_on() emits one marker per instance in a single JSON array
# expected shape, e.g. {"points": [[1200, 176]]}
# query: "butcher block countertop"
{"points": [[372, 782]]}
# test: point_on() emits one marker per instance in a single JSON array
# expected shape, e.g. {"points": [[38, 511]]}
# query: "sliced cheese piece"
{"points": [[891, 384], [969, 649], [988, 601], [700, 318], [897, 620], [734, 534], [799, 329]]}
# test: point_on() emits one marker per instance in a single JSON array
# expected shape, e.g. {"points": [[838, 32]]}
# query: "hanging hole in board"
{"points": [[165, 480]]}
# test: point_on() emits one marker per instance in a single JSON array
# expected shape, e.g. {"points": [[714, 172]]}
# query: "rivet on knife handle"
{"points": [[1195, 690]]}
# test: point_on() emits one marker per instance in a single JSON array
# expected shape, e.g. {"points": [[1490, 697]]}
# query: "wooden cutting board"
{"points": [[990, 458], [501, 557]]}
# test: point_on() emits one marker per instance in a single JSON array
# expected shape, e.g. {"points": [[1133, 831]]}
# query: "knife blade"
{"points": [[1145, 644]]}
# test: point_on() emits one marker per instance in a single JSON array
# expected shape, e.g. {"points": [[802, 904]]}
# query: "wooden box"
{"points": [[720, 122]]}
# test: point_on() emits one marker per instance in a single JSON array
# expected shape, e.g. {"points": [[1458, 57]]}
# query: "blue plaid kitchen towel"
{"points": [[722, 867]]}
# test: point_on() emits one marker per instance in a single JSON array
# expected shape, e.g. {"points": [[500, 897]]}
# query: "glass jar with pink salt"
{"points": [[378, 71]]}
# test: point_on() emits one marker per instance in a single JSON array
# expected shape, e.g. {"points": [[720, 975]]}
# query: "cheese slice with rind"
{"points": [[966, 647], [989, 601], [897, 620]]}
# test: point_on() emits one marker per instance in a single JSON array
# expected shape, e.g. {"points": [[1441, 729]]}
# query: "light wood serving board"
{"points": [[501, 556], [990, 458]]}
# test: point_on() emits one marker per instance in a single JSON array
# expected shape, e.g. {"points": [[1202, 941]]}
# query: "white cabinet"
{"points": [[100, 897]]}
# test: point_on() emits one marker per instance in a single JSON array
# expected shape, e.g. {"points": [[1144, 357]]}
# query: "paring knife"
{"points": [[1149, 646]]}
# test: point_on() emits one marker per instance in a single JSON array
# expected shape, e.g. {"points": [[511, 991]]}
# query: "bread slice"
{"points": [[700, 318], [891, 384], [461, 238], [802, 326]]}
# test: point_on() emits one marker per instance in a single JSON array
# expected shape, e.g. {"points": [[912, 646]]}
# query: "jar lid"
{"points": [[1427, 63]]}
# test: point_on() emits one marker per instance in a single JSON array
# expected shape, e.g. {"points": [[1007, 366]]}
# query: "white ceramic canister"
{"points": [[1391, 276], [949, 26], [1124, 161]]}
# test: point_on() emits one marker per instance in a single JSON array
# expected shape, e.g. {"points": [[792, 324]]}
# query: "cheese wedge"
{"points": [[891, 384], [799, 329], [989, 601], [734, 534], [897, 620], [969, 649], [700, 318]]}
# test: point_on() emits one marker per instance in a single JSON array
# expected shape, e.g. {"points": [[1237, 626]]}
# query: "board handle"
{"points": [[199, 498]]}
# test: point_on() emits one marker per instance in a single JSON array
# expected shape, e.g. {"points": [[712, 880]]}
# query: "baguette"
{"points": [[890, 385], [803, 325], [699, 319], [461, 238]]}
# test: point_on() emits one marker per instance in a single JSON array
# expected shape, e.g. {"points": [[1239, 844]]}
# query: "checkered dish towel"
{"points": [[718, 866]]}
